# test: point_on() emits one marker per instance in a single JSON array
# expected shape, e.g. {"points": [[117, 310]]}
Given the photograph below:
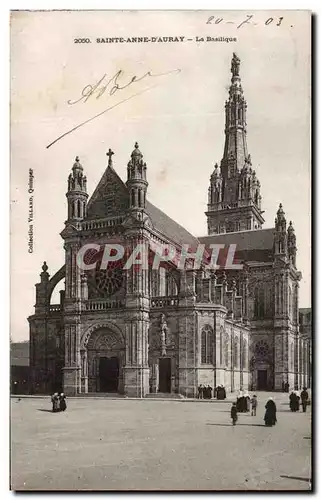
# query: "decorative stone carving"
{"points": [[163, 334]]}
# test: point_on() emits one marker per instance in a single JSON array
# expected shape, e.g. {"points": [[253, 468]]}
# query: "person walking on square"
{"points": [[254, 405], [304, 399], [62, 402], [234, 413], [247, 402], [270, 413], [200, 391], [55, 402]]}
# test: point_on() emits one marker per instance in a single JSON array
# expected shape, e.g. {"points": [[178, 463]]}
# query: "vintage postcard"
{"points": [[160, 250]]}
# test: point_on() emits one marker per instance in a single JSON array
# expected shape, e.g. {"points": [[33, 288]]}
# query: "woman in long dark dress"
{"points": [[62, 401], [293, 402], [270, 413]]}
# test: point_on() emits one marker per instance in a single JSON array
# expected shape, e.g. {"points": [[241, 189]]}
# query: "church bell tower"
{"points": [[234, 199]]}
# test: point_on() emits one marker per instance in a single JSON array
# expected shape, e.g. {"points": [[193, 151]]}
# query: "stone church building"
{"points": [[137, 331]]}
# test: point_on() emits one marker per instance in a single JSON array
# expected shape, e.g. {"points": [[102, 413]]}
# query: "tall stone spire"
{"points": [[234, 198], [235, 149]]}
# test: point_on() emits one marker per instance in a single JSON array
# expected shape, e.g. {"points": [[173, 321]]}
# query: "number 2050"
{"points": [[82, 40]]}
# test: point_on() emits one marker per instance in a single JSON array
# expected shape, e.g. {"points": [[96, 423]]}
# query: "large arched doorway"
{"points": [[103, 361]]}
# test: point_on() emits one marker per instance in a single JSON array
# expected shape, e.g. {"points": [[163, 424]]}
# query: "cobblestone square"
{"points": [[102, 444]]}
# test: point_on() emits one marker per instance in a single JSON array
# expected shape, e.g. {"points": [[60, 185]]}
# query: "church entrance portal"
{"points": [[262, 380], [165, 373], [103, 359], [108, 374]]}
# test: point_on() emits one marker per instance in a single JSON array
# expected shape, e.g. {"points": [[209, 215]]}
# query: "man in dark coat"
{"points": [[270, 413], [304, 399]]}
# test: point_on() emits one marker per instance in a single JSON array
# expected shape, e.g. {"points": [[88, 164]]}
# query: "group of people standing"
{"points": [[205, 392], [245, 403], [295, 400], [58, 402]]}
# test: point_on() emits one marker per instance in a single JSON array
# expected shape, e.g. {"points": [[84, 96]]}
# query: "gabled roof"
{"points": [[168, 227], [110, 197], [111, 185]]}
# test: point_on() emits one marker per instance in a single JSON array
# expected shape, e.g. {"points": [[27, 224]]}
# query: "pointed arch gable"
{"points": [[108, 325]]}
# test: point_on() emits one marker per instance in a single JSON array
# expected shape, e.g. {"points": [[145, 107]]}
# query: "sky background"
{"points": [[179, 124]]}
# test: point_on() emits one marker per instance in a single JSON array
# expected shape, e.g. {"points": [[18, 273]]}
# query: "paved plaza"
{"points": [[104, 444]]}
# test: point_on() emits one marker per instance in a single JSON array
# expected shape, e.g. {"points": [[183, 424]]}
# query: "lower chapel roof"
{"points": [[250, 245], [261, 239]]}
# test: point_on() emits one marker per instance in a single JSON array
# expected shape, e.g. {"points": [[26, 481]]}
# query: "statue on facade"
{"points": [[235, 68], [163, 334]]}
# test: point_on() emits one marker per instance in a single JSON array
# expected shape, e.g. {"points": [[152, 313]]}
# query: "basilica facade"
{"points": [[139, 330]]}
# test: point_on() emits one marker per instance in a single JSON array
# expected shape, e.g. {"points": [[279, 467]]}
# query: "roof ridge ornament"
{"points": [[110, 153]]}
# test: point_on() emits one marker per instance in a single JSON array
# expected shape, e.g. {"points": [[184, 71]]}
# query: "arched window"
{"points": [[133, 198], [139, 197], [73, 209], [261, 349], [154, 282], [236, 361], [207, 345], [171, 285], [84, 209], [244, 355], [78, 209], [226, 350], [290, 303], [222, 346], [291, 360], [259, 302]]}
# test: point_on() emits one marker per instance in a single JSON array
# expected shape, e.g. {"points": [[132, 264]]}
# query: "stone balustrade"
{"points": [[160, 302], [103, 305], [101, 224]]}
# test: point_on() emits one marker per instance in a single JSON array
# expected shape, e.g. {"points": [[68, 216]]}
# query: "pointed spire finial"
{"points": [[77, 164], [45, 267], [136, 151], [110, 153]]}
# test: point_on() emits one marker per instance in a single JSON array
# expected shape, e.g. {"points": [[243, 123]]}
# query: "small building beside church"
{"points": [[138, 331]]}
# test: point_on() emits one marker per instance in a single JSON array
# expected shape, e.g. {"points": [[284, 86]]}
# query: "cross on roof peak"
{"points": [[110, 153]]}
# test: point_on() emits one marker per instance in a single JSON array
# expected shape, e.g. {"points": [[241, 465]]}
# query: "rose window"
{"points": [[108, 281], [261, 349]]}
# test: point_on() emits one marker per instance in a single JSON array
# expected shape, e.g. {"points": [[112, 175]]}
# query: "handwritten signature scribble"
{"points": [[109, 87]]}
